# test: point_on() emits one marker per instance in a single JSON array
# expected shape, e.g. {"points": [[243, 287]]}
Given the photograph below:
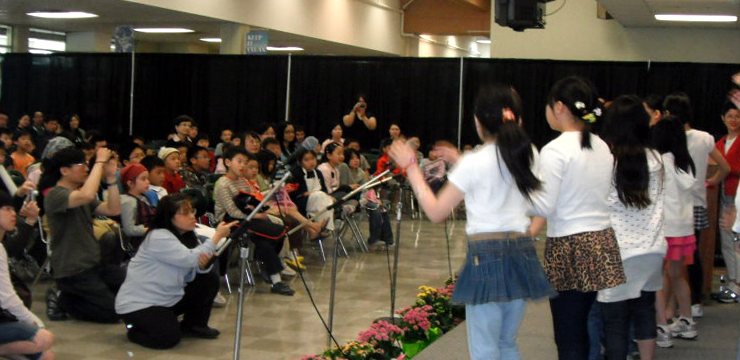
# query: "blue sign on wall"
{"points": [[257, 42]]}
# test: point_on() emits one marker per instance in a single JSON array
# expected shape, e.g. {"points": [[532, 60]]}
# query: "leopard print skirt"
{"points": [[588, 261]]}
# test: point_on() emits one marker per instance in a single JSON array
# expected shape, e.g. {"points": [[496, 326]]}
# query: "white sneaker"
{"points": [[684, 328], [219, 301], [664, 337], [287, 270], [697, 311]]}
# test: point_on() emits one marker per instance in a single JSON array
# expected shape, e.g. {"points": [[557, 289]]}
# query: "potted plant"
{"points": [[418, 329], [384, 337]]}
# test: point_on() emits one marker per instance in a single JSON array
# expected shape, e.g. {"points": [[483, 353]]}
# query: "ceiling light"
{"points": [[214, 40], [62, 14], [164, 30], [284, 48], [697, 18], [483, 41]]}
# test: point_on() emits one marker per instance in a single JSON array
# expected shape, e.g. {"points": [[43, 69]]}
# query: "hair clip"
{"points": [[590, 117], [580, 105], [507, 115], [597, 111]]}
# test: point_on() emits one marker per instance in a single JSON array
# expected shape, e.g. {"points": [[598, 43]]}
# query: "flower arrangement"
{"points": [[353, 350], [446, 315], [421, 324], [384, 337], [416, 321]]}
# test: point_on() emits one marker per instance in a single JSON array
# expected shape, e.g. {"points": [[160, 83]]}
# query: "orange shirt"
{"points": [[21, 162]]}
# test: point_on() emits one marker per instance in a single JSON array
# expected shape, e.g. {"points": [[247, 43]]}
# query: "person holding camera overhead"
{"points": [[365, 130]]}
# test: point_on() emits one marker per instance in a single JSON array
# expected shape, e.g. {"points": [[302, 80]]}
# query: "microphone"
{"points": [[309, 143]]}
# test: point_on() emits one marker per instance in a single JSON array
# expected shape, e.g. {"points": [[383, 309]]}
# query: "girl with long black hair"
{"points": [[636, 200], [581, 253], [496, 181], [669, 138]]}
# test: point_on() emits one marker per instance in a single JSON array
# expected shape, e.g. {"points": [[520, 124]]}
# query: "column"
{"points": [[233, 38]]}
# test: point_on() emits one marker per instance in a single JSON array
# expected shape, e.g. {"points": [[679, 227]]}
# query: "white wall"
{"points": [[459, 46], [352, 22], [575, 33]]}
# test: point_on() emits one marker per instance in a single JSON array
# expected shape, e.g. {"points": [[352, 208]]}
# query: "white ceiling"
{"points": [[114, 12], [640, 13]]}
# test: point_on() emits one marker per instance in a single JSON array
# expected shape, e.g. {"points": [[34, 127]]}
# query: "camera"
{"points": [[32, 195], [362, 106]]}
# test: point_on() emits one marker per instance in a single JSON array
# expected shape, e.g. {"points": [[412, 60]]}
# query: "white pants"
{"points": [[317, 201]]}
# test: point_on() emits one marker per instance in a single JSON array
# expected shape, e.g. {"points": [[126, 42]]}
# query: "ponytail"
{"points": [[497, 109], [515, 148], [579, 96]]}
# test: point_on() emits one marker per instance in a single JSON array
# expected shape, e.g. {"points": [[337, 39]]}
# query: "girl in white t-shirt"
{"points": [[635, 201], [581, 254], [496, 182], [669, 138]]}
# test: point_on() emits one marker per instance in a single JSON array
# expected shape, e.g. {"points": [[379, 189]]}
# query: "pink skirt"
{"points": [[681, 247]]}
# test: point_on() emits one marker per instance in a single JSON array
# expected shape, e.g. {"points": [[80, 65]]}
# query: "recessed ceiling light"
{"points": [[214, 40], [284, 48], [697, 18], [62, 14], [483, 41], [164, 30]]}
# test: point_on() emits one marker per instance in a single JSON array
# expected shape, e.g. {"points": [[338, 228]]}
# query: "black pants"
{"points": [[570, 323], [696, 275], [91, 295], [618, 316], [157, 327], [380, 225], [267, 251]]}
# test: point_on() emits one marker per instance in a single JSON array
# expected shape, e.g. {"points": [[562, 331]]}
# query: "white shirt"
{"points": [[576, 185], [679, 200], [9, 299], [700, 146], [640, 231], [728, 144], [493, 202]]}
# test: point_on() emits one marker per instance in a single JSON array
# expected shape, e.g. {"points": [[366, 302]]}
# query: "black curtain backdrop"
{"points": [[225, 91], [237, 92], [421, 96], [94, 86]]}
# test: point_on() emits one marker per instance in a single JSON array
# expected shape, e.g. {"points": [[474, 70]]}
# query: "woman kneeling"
{"points": [[166, 279]]}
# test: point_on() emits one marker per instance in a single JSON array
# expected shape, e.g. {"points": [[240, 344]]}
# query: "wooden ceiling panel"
{"points": [[447, 17]]}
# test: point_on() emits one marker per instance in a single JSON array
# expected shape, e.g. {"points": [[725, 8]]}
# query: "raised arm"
{"points": [[86, 194], [437, 208], [112, 206]]}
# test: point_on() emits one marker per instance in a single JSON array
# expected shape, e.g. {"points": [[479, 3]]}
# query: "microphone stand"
{"points": [[243, 260], [375, 181], [394, 277]]}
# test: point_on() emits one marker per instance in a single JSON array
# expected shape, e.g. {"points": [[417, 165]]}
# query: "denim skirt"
{"points": [[501, 270]]}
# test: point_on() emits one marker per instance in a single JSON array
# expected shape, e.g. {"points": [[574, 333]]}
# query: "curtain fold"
{"points": [[238, 92]]}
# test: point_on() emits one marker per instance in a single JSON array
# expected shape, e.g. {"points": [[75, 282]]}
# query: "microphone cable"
{"points": [[305, 285]]}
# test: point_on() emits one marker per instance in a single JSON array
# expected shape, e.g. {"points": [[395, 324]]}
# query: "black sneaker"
{"points": [[282, 288], [53, 311], [201, 332]]}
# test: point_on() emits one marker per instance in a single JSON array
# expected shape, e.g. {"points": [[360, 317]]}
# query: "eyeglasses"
{"points": [[79, 164]]}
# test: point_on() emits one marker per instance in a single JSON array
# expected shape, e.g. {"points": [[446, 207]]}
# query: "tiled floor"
{"points": [[279, 327]]}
